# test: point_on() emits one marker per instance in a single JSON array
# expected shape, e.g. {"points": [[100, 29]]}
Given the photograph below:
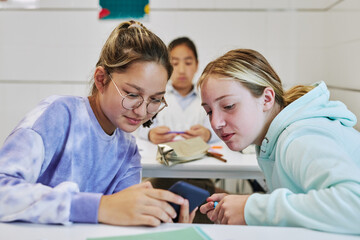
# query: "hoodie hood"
{"points": [[314, 104]]}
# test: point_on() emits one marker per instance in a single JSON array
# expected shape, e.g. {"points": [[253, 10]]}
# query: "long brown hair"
{"points": [[131, 42]]}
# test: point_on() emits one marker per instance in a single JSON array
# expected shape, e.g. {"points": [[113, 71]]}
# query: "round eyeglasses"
{"points": [[132, 101]]}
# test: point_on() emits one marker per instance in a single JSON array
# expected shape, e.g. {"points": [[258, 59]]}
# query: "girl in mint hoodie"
{"points": [[306, 147]]}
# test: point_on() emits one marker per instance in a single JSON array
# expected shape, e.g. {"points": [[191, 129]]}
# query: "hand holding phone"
{"points": [[193, 194]]}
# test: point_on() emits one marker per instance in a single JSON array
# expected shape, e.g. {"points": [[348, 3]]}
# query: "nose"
{"points": [[217, 121], [141, 111], [181, 67]]}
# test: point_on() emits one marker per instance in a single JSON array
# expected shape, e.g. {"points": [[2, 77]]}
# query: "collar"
{"points": [[171, 89]]}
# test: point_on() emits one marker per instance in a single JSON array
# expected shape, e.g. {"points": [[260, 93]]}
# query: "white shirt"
{"points": [[182, 113]]}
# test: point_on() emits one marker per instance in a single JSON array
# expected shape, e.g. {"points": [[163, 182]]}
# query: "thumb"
{"points": [[195, 127], [163, 129]]}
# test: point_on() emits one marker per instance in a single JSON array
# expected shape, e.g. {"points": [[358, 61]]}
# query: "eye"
{"points": [[229, 107], [156, 100], [174, 63], [209, 113], [132, 95]]}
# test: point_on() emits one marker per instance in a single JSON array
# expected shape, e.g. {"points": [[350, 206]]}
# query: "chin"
{"points": [[234, 147], [129, 128]]}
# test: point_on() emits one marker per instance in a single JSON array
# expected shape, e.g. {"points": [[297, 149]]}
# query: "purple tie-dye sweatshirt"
{"points": [[58, 162]]}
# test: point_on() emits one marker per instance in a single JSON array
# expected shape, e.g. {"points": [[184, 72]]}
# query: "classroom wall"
{"points": [[53, 50], [342, 54]]}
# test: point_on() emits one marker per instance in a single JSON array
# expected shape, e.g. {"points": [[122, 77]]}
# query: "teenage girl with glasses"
{"points": [[72, 159]]}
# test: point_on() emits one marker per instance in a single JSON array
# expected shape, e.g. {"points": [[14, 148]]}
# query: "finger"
{"points": [[166, 195], [209, 215], [217, 197], [163, 197], [184, 212], [147, 184], [162, 204], [195, 127], [215, 215], [220, 215], [162, 130], [192, 215], [169, 136], [186, 136], [158, 213], [206, 207], [224, 220], [148, 220]]}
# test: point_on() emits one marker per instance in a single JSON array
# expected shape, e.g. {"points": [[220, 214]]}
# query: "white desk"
{"points": [[29, 231], [241, 166]]}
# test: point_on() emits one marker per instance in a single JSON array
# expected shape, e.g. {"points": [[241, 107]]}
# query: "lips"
{"points": [[227, 136], [134, 121]]}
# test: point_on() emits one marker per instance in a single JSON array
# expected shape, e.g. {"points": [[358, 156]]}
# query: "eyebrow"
{"points": [[141, 90], [186, 58], [217, 99]]}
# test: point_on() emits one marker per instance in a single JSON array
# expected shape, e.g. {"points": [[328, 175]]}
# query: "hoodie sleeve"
{"points": [[327, 192]]}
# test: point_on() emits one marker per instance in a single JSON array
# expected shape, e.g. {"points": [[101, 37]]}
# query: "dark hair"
{"points": [[183, 41]]}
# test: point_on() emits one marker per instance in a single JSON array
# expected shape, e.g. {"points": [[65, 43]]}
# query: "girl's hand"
{"points": [[230, 210], [184, 216], [208, 208], [197, 131], [160, 135], [140, 204]]}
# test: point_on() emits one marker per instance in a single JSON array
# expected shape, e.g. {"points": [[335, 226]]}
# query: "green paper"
{"points": [[193, 233]]}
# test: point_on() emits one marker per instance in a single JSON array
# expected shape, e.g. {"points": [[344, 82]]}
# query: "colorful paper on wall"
{"points": [[117, 9]]}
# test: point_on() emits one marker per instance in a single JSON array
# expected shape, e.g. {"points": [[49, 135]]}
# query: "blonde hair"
{"points": [[254, 72], [131, 42]]}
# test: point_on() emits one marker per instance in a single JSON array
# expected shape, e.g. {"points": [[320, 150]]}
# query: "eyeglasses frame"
{"points": [[143, 100]]}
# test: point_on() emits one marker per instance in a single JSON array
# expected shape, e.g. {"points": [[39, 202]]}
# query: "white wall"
{"points": [[342, 54], [45, 52]]}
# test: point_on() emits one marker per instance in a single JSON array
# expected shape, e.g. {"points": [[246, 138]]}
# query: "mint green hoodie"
{"points": [[311, 161]]}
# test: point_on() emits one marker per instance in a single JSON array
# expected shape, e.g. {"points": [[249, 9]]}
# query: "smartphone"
{"points": [[194, 194]]}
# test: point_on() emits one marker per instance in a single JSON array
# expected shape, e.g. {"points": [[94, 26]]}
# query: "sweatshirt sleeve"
{"points": [[22, 198], [328, 183], [133, 174]]}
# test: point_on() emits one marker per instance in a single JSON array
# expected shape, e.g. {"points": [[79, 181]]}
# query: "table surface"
{"points": [[238, 165], [29, 231]]}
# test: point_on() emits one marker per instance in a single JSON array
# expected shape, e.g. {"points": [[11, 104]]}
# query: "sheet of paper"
{"points": [[193, 233]]}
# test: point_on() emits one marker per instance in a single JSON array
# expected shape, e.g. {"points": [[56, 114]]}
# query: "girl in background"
{"points": [[184, 113], [184, 116], [305, 144], [72, 159]]}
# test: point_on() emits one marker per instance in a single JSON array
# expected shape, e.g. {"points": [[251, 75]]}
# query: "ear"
{"points": [[268, 98], [100, 79]]}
